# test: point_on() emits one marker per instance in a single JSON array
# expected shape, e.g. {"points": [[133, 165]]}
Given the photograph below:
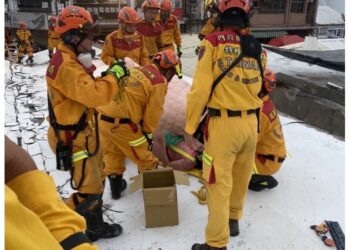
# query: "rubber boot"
{"points": [[30, 60], [205, 246], [117, 184], [234, 229], [19, 60], [96, 228], [260, 182]]}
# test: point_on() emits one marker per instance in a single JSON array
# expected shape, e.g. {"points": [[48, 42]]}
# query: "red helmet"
{"points": [[150, 4], [128, 15], [270, 80], [168, 59], [166, 5], [22, 24], [245, 5], [75, 18]]}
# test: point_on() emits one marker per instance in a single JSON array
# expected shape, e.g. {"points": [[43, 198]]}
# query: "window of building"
{"points": [[45, 5], [29, 4], [271, 6], [297, 6]]}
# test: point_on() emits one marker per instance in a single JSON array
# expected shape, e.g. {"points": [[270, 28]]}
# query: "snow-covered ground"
{"points": [[310, 190]]}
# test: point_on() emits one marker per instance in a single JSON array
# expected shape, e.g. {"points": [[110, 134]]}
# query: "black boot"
{"points": [[96, 228], [117, 184], [205, 246], [234, 229], [19, 60], [260, 182], [30, 60]]}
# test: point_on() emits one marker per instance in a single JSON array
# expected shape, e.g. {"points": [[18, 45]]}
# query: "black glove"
{"points": [[197, 50], [179, 51]]}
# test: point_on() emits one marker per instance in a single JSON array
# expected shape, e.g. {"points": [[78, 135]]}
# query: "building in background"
{"points": [[35, 14], [272, 18]]}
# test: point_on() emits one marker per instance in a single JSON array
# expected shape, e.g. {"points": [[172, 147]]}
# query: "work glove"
{"points": [[179, 51], [85, 59], [130, 63], [197, 50], [201, 195], [118, 69], [149, 138]]}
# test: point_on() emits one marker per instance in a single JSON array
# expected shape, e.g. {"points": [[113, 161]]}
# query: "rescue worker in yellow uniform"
{"points": [[53, 36], [73, 133], [231, 129], [271, 149], [126, 41], [149, 28], [127, 123], [24, 38], [36, 217], [210, 26], [171, 31]]}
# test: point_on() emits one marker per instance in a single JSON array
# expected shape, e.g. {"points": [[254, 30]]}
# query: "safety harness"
{"points": [[64, 151], [250, 47]]}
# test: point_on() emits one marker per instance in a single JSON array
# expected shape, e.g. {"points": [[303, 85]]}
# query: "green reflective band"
{"points": [[149, 136], [179, 49], [183, 153], [207, 158], [137, 142], [178, 70], [264, 183], [255, 169], [80, 155]]}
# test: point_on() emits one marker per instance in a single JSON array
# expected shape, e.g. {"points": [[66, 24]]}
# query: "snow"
{"points": [[327, 15], [310, 190]]}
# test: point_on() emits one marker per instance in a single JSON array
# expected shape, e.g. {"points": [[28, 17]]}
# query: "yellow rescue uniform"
{"points": [[24, 37], [171, 33], [53, 40], [72, 92], [118, 46], [207, 29], [36, 217], [271, 148], [151, 33], [134, 111], [231, 134]]}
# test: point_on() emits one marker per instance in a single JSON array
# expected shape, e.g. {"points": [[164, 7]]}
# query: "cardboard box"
{"points": [[159, 195]]}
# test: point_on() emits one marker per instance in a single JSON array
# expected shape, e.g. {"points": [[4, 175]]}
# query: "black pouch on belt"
{"points": [[64, 160]]}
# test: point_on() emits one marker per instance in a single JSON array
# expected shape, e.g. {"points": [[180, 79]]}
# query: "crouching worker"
{"points": [[73, 134], [127, 123], [270, 149], [36, 217]]}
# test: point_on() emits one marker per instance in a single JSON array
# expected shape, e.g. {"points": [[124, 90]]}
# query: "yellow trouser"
{"points": [[266, 167], [93, 172], [25, 45], [124, 140], [228, 160]]}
